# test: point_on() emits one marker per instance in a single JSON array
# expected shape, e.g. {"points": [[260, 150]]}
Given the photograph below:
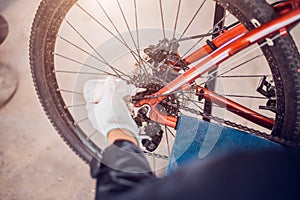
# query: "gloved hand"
{"points": [[106, 107]]}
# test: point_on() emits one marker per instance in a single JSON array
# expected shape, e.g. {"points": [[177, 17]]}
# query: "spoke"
{"points": [[201, 111], [226, 95], [217, 106], [80, 121], [99, 23], [193, 101], [239, 111], [238, 76], [141, 60], [92, 135], [117, 30], [176, 20], [136, 25], [75, 106], [193, 18], [91, 46], [128, 28], [213, 76], [237, 59], [245, 76], [112, 23], [154, 166], [86, 73], [202, 36], [162, 19], [69, 91], [167, 139], [243, 96], [138, 38], [83, 64], [170, 131], [81, 49], [110, 32]]}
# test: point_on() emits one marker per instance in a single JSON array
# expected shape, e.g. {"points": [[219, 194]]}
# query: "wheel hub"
{"points": [[164, 65]]}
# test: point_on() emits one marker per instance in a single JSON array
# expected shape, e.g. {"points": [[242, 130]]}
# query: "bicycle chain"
{"points": [[147, 153], [233, 125], [242, 127]]}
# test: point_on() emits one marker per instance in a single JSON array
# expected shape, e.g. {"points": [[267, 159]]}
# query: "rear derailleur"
{"points": [[268, 90], [152, 130]]}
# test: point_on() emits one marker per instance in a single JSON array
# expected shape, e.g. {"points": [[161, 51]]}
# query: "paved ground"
{"points": [[34, 161]]}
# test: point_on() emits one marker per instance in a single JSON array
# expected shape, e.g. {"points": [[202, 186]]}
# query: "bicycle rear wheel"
{"points": [[73, 41]]}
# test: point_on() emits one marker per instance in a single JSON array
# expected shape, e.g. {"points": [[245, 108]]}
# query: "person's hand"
{"points": [[106, 107]]}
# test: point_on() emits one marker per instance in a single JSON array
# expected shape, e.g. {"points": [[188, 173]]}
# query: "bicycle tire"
{"points": [[285, 68], [283, 59]]}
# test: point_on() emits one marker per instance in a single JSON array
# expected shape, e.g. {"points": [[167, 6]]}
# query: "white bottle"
{"points": [[93, 89]]}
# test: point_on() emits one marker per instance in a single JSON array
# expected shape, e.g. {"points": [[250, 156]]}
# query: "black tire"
{"points": [[283, 60]]}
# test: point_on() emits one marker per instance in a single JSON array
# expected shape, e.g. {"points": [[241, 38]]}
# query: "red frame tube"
{"points": [[217, 42], [229, 43], [236, 108], [227, 35]]}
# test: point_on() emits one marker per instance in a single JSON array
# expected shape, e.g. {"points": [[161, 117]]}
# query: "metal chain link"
{"points": [[233, 125], [156, 155], [242, 127]]}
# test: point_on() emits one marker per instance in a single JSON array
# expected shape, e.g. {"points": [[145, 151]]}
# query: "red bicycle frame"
{"points": [[227, 44]]}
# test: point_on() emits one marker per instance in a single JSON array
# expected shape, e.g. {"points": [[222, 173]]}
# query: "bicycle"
{"points": [[186, 67]]}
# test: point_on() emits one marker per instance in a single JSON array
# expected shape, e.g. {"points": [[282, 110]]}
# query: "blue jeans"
{"points": [[198, 139]]}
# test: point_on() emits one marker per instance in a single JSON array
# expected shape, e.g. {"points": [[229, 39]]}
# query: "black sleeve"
{"points": [[123, 167], [124, 174]]}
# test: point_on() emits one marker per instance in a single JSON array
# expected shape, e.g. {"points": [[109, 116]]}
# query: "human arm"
{"points": [[122, 169], [123, 165], [120, 134]]}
